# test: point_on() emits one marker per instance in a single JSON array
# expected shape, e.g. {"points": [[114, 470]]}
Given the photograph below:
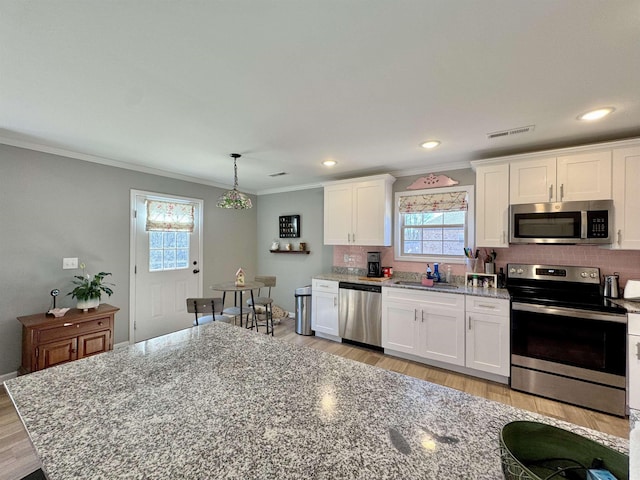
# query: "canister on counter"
{"points": [[387, 272]]}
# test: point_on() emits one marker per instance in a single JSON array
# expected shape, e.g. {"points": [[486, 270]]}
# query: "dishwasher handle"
{"points": [[360, 287]]}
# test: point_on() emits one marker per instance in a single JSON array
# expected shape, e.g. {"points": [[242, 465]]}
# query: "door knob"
{"points": [[195, 270]]}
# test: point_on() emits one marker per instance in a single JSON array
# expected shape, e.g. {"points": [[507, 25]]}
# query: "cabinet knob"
{"points": [[638, 347], [99, 324]]}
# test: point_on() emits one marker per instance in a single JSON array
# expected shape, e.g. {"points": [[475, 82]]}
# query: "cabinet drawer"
{"points": [[489, 306], [73, 329], [328, 286], [439, 299]]}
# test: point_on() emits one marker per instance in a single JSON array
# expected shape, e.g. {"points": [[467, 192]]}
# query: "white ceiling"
{"points": [[178, 85]]}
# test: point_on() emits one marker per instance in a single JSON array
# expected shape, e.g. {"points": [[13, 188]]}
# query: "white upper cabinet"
{"points": [[338, 214], [492, 206], [533, 181], [579, 176], [358, 212], [626, 185]]}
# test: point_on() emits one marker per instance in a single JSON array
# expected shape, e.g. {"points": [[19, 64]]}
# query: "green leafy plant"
{"points": [[88, 287]]}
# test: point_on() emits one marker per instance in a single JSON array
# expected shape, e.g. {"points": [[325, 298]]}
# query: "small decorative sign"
{"points": [[432, 181], [289, 226]]}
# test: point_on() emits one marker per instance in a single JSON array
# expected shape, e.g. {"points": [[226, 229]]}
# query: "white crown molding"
{"points": [[293, 188], [556, 152], [436, 168], [110, 162]]}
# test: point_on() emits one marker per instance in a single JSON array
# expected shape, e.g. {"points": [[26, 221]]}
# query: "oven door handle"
{"points": [[568, 312]]}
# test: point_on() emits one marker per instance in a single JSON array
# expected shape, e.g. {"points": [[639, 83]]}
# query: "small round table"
{"points": [[238, 310]]}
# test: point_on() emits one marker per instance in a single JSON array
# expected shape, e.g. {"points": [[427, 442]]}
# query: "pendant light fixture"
{"points": [[233, 198]]}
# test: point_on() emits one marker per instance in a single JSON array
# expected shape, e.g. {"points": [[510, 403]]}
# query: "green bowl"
{"points": [[534, 451]]}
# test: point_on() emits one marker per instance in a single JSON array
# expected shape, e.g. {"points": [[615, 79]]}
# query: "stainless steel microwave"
{"points": [[589, 222]]}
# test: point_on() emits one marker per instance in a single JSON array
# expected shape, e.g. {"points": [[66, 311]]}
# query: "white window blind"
{"points": [[433, 202], [169, 216]]}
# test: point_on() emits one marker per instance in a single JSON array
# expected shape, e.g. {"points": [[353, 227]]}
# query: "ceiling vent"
{"points": [[510, 132], [277, 174]]}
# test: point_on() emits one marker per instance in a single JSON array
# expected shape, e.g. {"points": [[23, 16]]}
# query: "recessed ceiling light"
{"points": [[430, 144], [596, 114], [329, 163]]}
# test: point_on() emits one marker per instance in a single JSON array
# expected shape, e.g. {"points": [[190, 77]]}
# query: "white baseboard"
{"points": [[8, 376], [121, 345]]}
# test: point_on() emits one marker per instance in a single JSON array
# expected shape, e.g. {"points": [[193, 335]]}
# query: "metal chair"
{"points": [[199, 306], [265, 302]]}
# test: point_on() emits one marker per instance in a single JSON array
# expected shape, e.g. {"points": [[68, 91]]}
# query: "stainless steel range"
{"points": [[568, 342]]}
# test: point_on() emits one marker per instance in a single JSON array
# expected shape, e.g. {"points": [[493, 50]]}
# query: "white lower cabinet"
{"points": [[487, 336], [633, 352], [324, 307], [425, 324], [469, 333], [400, 328]]}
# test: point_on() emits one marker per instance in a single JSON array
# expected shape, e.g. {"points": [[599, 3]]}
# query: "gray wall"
{"points": [[292, 270], [53, 207]]}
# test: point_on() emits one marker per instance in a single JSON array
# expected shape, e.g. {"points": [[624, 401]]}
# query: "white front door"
{"points": [[166, 271]]}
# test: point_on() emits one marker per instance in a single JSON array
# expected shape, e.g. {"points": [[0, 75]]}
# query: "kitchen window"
{"points": [[434, 224], [169, 225]]}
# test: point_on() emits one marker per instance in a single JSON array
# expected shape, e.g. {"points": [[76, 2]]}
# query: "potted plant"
{"points": [[88, 290]]}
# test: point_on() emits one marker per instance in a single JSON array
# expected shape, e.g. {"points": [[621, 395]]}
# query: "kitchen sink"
{"points": [[419, 284]]}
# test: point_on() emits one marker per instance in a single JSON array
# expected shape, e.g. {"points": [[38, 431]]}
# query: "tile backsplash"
{"points": [[625, 262]]}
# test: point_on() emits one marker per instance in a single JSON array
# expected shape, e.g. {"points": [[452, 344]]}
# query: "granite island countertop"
{"points": [[219, 401]]}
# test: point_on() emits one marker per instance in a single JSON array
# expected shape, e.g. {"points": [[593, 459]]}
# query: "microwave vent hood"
{"points": [[562, 223]]}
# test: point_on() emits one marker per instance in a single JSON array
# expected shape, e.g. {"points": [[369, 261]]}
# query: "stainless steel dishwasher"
{"points": [[360, 313]]}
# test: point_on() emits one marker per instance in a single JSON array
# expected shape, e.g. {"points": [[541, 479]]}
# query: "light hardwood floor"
{"points": [[17, 457]]}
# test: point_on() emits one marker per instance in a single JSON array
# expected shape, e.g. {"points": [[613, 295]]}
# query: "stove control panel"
{"points": [[557, 273]]}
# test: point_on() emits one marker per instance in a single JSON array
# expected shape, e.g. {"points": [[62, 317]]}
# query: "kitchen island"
{"points": [[218, 401]]}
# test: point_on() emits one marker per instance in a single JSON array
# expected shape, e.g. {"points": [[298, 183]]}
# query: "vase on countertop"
{"points": [[85, 305]]}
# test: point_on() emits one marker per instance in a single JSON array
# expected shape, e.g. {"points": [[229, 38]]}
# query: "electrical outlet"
{"points": [[69, 263], [345, 258]]}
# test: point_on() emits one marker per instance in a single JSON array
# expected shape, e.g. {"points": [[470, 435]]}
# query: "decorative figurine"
{"points": [[240, 278]]}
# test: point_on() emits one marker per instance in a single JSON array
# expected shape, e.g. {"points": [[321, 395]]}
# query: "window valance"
{"points": [[433, 202], [169, 216]]}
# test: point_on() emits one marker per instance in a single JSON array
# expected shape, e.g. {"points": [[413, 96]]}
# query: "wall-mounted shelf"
{"points": [[291, 251]]}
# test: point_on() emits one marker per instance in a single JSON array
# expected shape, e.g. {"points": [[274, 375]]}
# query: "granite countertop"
{"points": [[632, 307], [461, 289], [219, 401]]}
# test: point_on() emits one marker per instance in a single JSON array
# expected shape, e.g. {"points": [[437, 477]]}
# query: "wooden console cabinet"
{"points": [[49, 341]]}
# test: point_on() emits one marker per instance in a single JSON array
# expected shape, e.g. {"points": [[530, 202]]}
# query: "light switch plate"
{"points": [[69, 263]]}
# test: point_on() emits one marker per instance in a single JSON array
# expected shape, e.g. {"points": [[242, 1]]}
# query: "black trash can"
{"points": [[303, 310]]}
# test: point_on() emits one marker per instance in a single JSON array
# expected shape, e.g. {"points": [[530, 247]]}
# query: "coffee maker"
{"points": [[373, 264]]}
